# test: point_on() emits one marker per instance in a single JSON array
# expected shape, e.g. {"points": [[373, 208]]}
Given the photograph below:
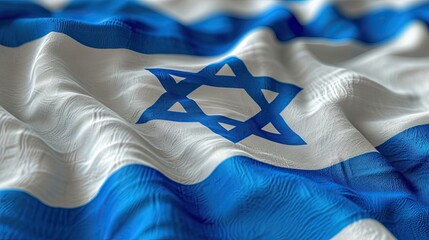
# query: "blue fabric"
{"points": [[131, 25], [243, 199]]}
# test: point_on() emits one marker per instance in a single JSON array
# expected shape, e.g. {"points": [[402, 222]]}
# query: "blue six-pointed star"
{"points": [[267, 123]]}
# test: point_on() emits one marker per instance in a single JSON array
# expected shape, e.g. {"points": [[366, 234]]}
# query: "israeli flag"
{"points": [[214, 119]]}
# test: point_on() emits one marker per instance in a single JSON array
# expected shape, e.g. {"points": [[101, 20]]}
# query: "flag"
{"points": [[214, 119]]}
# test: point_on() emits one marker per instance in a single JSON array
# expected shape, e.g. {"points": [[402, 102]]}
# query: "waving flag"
{"points": [[214, 119]]}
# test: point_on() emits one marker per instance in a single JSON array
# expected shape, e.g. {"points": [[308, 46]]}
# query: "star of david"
{"points": [[269, 94]]}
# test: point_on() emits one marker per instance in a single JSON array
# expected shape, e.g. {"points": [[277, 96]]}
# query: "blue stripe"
{"points": [[127, 24], [244, 199]]}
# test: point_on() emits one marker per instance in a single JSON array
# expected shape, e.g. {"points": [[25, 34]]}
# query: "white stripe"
{"points": [[306, 11], [52, 5], [354, 8], [189, 11], [367, 229], [68, 111]]}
